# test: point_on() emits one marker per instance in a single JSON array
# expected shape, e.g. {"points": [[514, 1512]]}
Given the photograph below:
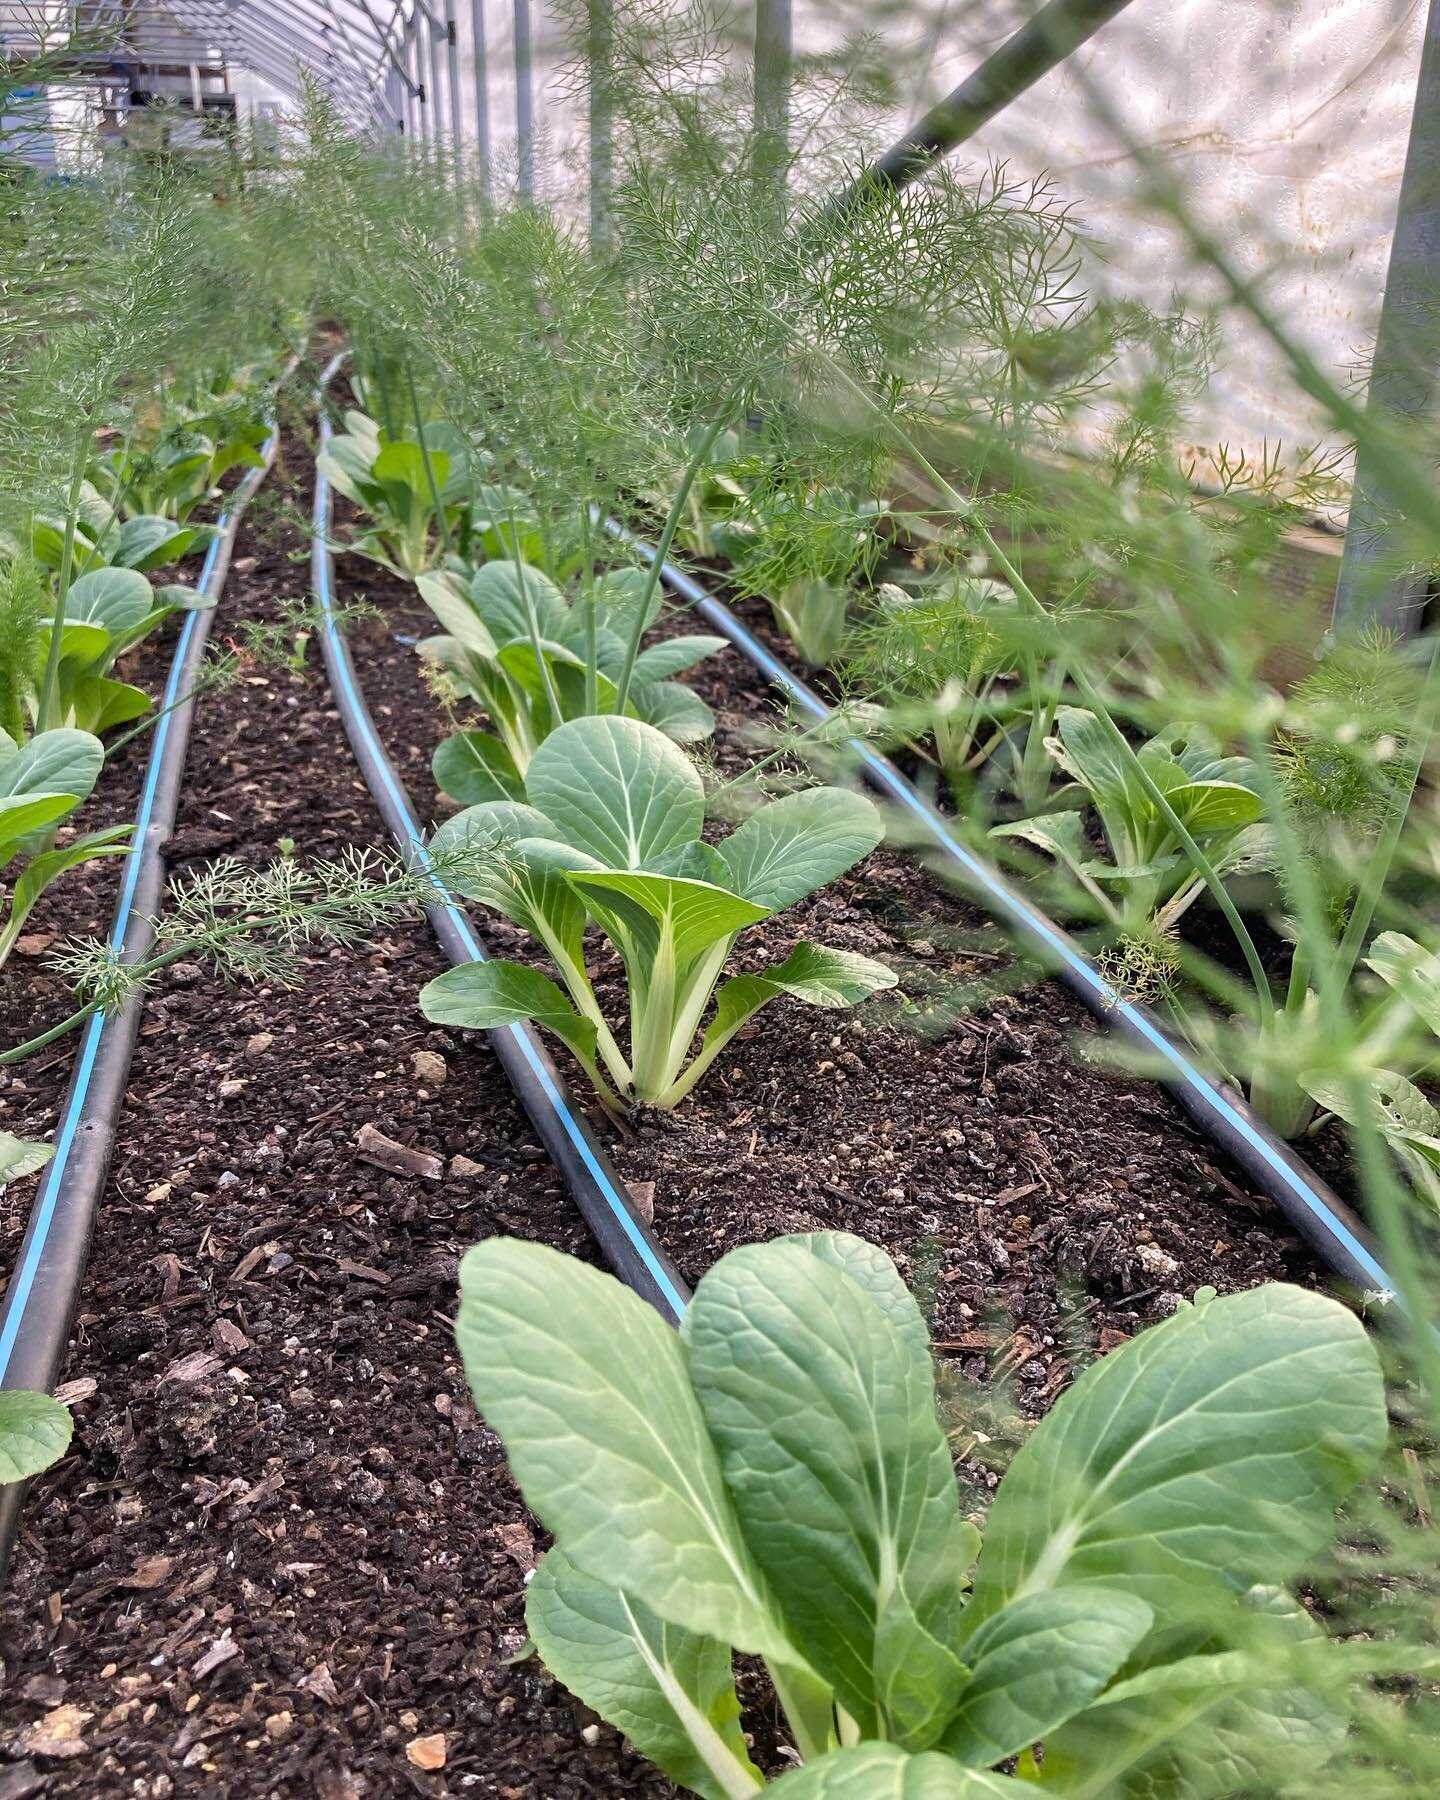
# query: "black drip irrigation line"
{"points": [[626, 1241], [1306, 1202], [1040, 45], [40, 1299]]}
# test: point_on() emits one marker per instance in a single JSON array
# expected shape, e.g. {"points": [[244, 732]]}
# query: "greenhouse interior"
{"points": [[720, 899]]}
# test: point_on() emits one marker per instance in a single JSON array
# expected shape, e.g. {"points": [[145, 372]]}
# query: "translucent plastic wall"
{"points": [[1287, 126]]}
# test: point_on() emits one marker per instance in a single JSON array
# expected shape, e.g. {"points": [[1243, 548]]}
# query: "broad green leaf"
{"points": [[1208, 1453], [148, 542], [457, 614], [473, 767], [1058, 834], [34, 1432], [516, 600], [1038, 1662], [522, 876], [674, 655], [616, 789], [20, 814], [1086, 751], [486, 996], [883, 1772], [824, 1417], [1254, 1719], [696, 861], [872, 1270], [118, 599], [590, 1390], [811, 972], [616, 597], [538, 671], [41, 870], [673, 708], [17, 1157], [796, 844], [1412, 971], [487, 835], [1396, 1108], [82, 644], [171, 597], [62, 761], [360, 425], [99, 703], [647, 908], [1208, 806], [670, 1691], [402, 466], [346, 466]]}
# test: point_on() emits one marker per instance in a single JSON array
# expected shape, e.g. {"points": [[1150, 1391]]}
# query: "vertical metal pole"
{"points": [[1405, 376], [432, 38], [482, 95], [600, 55], [524, 101], [419, 109], [452, 80], [772, 93]]}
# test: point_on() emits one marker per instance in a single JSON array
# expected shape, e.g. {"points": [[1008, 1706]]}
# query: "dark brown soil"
{"points": [[283, 1547], [1045, 1206]]}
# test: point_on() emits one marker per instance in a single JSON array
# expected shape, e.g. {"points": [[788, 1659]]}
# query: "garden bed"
{"points": [[282, 1546], [987, 1159]]}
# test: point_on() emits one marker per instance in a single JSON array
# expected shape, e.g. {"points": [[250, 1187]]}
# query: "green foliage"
{"points": [[775, 1480], [609, 833], [413, 487], [533, 659], [18, 1158], [34, 1433], [24, 611], [1214, 797], [41, 783], [103, 540]]}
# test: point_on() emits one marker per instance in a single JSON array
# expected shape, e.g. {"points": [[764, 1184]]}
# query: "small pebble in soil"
{"points": [[429, 1067]]}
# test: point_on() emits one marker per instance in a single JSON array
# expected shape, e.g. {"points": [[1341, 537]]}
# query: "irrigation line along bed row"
{"points": [[627, 1243], [1307, 1203], [40, 1300]]}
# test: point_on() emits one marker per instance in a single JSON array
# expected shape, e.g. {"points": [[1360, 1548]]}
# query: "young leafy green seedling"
{"points": [[41, 783], [107, 612], [774, 1479], [103, 541], [414, 492], [1215, 797], [534, 659], [609, 834]]}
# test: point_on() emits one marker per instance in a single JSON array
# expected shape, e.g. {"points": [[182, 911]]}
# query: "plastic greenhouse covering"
{"points": [[1289, 124]]}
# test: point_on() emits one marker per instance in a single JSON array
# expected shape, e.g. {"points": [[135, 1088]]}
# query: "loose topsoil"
{"points": [[283, 1555]]}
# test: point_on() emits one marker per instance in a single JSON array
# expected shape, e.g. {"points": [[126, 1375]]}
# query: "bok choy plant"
{"points": [[773, 1479], [1215, 797], [802, 551], [533, 659], [109, 611], [609, 833], [415, 489], [100, 538], [42, 781]]}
